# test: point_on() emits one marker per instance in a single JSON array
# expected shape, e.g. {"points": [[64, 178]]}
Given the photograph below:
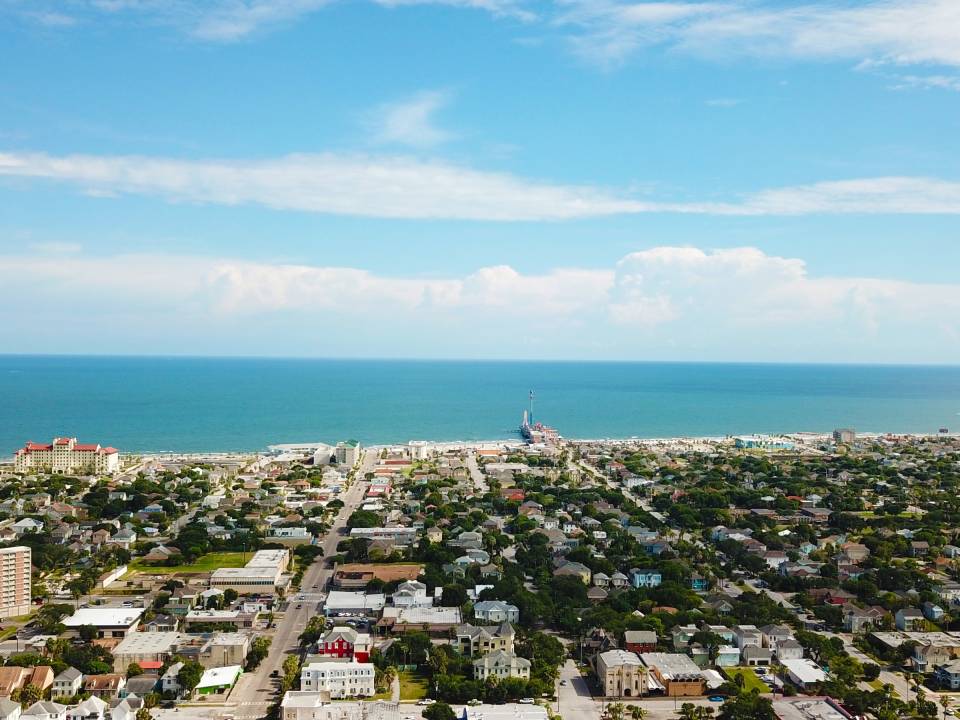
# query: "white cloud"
{"points": [[898, 31], [400, 187], [667, 302], [56, 248], [411, 121], [498, 8], [926, 82], [722, 102], [229, 20]]}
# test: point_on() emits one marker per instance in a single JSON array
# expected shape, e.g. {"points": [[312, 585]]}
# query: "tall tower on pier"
{"points": [[530, 417]]}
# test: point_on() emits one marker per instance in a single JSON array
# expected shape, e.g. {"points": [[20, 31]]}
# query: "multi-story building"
{"points": [[473, 641], [347, 453], [345, 642], [340, 679], [15, 581], [500, 665], [621, 674], [496, 611], [66, 455]]}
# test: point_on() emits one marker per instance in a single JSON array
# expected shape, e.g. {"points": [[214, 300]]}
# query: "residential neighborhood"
{"points": [[528, 575]]}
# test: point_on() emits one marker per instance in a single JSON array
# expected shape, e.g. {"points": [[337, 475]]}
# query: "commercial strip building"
{"points": [[309, 705], [341, 603], [210, 650], [809, 708], [676, 674], [66, 455], [263, 575], [357, 576], [434, 620], [15, 580], [509, 711], [109, 622], [400, 536], [340, 678], [218, 679]]}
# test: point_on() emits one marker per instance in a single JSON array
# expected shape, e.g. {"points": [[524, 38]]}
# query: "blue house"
{"points": [[698, 583], [931, 611], [641, 578]]}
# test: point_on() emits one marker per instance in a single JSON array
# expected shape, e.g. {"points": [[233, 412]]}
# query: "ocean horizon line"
{"points": [[504, 361]]}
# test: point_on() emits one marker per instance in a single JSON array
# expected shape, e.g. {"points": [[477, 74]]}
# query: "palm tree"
{"points": [[688, 711], [616, 711], [945, 702], [638, 713]]}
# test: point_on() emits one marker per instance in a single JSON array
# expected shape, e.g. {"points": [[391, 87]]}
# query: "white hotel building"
{"points": [[66, 455], [340, 679]]}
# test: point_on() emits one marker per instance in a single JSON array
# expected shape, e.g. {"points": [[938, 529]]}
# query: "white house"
{"points": [[501, 664], [340, 679], [496, 611], [93, 708], [67, 684]]}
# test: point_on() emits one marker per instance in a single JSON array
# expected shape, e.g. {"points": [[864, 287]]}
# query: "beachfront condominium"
{"points": [[347, 453], [15, 581], [66, 455]]}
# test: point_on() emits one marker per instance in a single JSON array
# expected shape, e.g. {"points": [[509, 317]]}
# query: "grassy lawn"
{"points": [[750, 679], [205, 563], [413, 686], [876, 684]]}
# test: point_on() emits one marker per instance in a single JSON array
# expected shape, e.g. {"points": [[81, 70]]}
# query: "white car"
{"points": [[527, 701]]}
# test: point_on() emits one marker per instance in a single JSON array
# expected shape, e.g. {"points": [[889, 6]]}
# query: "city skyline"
{"points": [[724, 181]]}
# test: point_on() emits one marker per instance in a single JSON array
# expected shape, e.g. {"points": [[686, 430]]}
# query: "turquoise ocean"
{"points": [[219, 404]]}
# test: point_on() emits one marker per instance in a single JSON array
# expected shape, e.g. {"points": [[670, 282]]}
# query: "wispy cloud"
{"points": [[401, 187], [517, 9], [899, 31], [225, 21], [665, 301], [53, 19], [925, 82], [722, 102], [411, 121]]}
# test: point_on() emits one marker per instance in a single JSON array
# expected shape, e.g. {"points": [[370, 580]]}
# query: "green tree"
{"points": [[747, 706], [439, 711], [134, 669], [144, 714], [88, 633], [30, 694], [190, 675]]}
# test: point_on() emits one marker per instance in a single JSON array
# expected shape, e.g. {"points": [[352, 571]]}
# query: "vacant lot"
{"points": [[413, 686], [750, 679], [204, 563]]}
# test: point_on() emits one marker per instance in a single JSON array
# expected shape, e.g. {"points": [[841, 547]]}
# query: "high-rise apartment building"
{"points": [[15, 578]]}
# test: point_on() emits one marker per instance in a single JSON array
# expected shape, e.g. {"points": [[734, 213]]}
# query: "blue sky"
{"points": [[728, 180]]}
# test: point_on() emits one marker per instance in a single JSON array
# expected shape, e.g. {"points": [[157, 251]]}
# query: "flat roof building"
{"points": [[109, 621], [15, 581], [809, 708], [677, 674]]}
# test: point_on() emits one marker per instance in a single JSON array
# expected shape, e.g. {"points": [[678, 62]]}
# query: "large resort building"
{"points": [[66, 455]]}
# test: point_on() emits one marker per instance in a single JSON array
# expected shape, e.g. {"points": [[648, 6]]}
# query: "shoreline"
{"points": [[802, 438]]}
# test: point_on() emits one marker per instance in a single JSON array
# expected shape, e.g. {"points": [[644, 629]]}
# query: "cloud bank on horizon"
{"points": [[681, 303]]}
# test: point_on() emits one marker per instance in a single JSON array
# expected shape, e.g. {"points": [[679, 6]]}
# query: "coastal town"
{"points": [[800, 577]]}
